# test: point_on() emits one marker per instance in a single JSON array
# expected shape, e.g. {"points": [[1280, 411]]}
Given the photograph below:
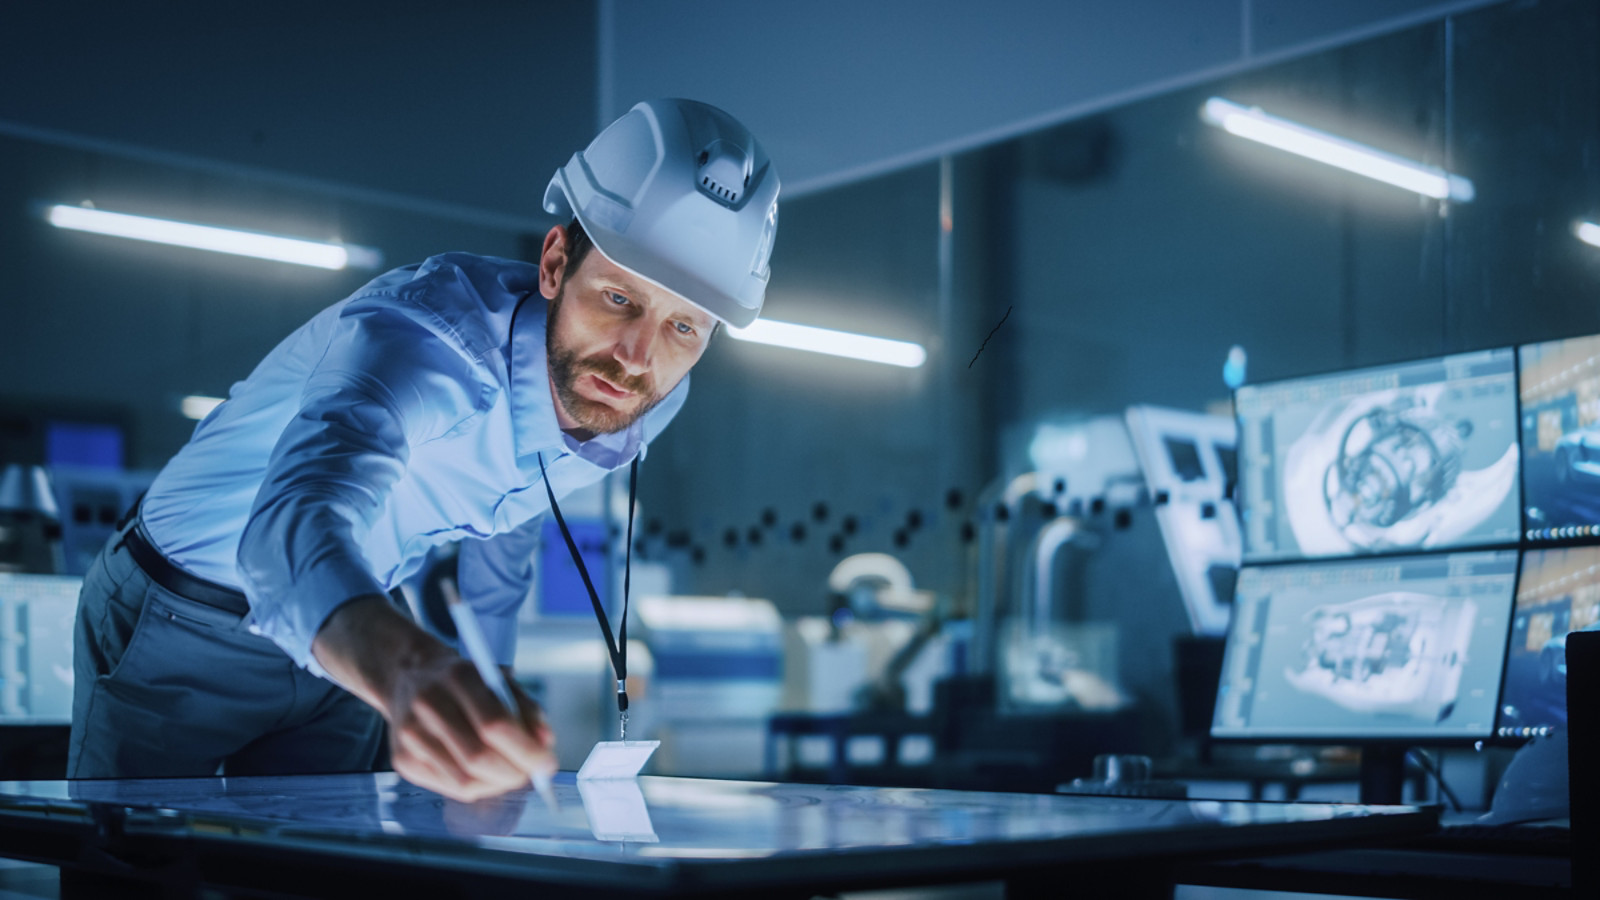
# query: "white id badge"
{"points": [[608, 783], [616, 810], [616, 759]]}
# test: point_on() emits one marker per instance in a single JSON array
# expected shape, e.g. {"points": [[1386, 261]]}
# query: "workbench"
{"points": [[376, 835]]}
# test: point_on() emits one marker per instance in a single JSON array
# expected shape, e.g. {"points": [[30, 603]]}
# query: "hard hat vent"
{"points": [[723, 170]]}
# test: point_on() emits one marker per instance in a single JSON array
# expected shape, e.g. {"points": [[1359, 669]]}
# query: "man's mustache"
{"points": [[612, 371]]}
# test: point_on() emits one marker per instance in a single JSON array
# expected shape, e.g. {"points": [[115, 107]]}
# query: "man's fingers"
{"points": [[424, 774], [424, 761], [527, 746], [468, 745], [452, 734]]}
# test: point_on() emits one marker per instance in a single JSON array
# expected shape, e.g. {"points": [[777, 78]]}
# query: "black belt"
{"points": [[176, 580]]}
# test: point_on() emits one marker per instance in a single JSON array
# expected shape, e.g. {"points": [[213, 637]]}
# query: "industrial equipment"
{"points": [[718, 676], [30, 521], [1190, 467]]}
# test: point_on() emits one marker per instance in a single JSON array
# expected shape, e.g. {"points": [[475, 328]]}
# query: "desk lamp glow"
{"points": [[319, 254], [1251, 123], [834, 343]]}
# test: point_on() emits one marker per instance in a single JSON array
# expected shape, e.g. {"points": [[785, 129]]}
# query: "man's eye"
{"points": [[685, 328], [616, 298]]}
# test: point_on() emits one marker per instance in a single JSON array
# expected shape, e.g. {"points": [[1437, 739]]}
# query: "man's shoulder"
{"points": [[479, 266], [491, 283], [464, 298]]}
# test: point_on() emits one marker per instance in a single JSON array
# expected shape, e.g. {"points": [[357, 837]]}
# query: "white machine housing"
{"points": [[1181, 453]]}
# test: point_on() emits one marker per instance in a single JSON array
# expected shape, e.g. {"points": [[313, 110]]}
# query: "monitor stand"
{"points": [[1383, 774]]}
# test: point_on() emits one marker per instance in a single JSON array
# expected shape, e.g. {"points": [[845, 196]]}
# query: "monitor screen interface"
{"points": [[1399, 647], [1414, 456], [37, 613], [1560, 386], [1558, 593]]}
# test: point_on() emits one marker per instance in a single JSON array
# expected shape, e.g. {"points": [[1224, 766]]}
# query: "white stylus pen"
{"points": [[477, 647]]}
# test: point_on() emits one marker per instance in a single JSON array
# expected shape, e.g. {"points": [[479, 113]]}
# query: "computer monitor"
{"points": [[1414, 456], [1558, 593], [1397, 648], [1560, 386], [36, 618]]}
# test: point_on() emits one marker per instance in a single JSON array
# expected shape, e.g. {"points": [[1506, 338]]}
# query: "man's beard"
{"points": [[565, 370]]}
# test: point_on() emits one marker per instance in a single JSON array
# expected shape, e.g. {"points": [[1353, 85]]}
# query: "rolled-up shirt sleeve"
{"points": [[386, 384], [496, 576]]}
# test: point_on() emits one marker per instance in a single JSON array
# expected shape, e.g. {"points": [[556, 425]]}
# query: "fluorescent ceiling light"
{"points": [[221, 240], [834, 343], [1251, 123], [198, 406], [1588, 232]]}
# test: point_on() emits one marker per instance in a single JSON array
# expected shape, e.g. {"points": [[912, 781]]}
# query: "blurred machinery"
{"points": [[30, 521], [1092, 572], [37, 609], [859, 683], [91, 501], [881, 648], [1190, 466], [718, 677]]}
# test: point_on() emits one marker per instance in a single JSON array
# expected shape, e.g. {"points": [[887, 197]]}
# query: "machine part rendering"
{"points": [[1394, 462], [1400, 653]]}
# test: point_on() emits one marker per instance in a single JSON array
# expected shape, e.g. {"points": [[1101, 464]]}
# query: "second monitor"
{"points": [[1402, 648]]}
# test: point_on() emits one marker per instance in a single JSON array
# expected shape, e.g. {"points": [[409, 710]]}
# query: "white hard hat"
{"points": [[683, 195]]}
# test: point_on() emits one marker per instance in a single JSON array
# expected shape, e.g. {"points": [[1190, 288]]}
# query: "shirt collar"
{"points": [[533, 413]]}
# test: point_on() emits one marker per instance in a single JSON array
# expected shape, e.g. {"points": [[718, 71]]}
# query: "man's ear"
{"points": [[553, 262]]}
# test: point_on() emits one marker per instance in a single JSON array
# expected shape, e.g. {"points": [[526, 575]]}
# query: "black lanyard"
{"points": [[618, 646]]}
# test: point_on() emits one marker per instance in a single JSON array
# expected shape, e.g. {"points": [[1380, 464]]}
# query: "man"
{"points": [[241, 619]]}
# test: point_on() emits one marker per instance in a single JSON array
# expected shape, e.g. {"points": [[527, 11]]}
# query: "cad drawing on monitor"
{"points": [[1388, 470], [1398, 652]]}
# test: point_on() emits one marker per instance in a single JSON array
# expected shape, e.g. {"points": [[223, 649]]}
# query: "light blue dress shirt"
{"points": [[403, 417]]}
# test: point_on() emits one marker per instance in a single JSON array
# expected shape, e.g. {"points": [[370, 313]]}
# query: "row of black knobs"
{"points": [[850, 525]]}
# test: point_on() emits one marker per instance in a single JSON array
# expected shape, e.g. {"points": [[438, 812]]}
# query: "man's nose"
{"points": [[635, 345]]}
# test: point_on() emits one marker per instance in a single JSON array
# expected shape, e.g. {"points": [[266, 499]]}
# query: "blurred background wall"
{"points": [[1041, 169]]}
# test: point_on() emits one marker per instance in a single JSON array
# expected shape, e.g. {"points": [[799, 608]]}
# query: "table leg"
{"points": [[1136, 880], [77, 884]]}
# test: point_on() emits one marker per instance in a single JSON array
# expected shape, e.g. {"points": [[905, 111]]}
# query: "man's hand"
{"points": [[447, 730]]}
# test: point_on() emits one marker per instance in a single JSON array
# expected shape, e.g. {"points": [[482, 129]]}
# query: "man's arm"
{"points": [[384, 384], [495, 576]]}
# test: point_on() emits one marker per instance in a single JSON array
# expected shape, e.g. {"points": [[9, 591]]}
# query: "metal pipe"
{"points": [[993, 542], [1052, 537]]}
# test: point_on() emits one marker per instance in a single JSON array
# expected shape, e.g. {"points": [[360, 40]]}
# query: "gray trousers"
{"points": [[166, 686]]}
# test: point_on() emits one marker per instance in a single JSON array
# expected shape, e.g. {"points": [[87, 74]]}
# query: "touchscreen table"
{"points": [[348, 835]]}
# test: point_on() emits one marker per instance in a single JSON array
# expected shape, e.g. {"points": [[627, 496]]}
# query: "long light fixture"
{"points": [[319, 254], [198, 406], [1588, 232], [1251, 123], [833, 343]]}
